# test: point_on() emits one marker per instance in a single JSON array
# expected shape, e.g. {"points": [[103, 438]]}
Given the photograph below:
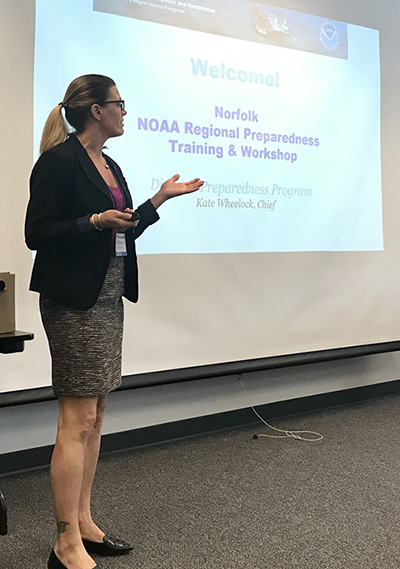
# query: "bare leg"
{"points": [[88, 529], [76, 424]]}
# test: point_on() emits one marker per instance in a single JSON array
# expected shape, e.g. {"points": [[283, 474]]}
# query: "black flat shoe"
{"points": [[55, 563], [110, 546]]}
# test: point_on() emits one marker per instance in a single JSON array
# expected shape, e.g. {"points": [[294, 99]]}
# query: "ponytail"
{"points": [[81, 94], [55, 130]]}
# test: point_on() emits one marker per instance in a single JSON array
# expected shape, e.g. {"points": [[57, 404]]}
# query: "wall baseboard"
{"points": [[36, 458], [166, 377]]}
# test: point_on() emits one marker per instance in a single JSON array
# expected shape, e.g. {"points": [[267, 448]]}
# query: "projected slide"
{"points": [[278, 111]]}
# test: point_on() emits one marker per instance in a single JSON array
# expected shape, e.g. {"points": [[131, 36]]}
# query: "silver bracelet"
{"points": [[100, 226], [94, 223]]}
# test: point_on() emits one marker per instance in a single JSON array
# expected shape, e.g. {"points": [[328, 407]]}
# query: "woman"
{"points": [[81, 223]]}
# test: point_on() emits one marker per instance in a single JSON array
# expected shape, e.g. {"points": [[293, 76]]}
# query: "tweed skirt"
{"points": [[86, 345]]}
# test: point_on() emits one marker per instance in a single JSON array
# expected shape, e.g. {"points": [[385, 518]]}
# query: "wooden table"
{"points": [[10, 343]]}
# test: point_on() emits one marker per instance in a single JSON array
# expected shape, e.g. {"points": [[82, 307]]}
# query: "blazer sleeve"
{"points": [[148, 216], [148, 213], [47, 223]]}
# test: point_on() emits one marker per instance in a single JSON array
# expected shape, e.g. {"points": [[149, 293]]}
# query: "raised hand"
{"points": [[172, 188]]}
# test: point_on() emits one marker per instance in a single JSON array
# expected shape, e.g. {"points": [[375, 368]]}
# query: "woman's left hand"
{"points": [[172, 188]]}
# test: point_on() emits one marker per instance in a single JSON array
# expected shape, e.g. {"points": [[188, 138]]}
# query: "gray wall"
{"points": [[30, 426]]}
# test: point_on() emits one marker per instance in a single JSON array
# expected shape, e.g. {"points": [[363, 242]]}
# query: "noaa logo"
{"points": [[329, 36]]}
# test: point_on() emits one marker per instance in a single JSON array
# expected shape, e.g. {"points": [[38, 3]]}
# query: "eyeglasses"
{"points": [[120, 103]]}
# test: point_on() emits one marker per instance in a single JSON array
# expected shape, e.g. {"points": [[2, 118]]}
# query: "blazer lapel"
{"points": [[87, 166]]}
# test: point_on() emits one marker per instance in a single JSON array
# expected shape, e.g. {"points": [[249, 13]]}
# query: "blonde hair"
{"points": [[55, 130], [81, 94]]}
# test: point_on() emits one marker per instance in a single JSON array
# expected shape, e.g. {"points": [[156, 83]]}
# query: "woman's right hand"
{"points": [[114, 219]]}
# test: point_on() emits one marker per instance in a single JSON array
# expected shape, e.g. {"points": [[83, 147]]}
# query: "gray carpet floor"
{"points": [[226, 501]]}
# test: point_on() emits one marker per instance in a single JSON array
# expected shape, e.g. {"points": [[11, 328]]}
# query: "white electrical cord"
{"points": [[286, 433]]}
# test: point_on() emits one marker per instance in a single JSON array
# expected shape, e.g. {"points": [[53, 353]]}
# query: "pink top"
{"points": [[118, 201], [117, 197]]}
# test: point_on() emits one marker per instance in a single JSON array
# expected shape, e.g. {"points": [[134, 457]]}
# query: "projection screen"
{"points": [[289, 111]]}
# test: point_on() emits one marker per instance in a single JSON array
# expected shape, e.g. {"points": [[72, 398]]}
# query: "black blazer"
{"points": [[72, 257]]}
